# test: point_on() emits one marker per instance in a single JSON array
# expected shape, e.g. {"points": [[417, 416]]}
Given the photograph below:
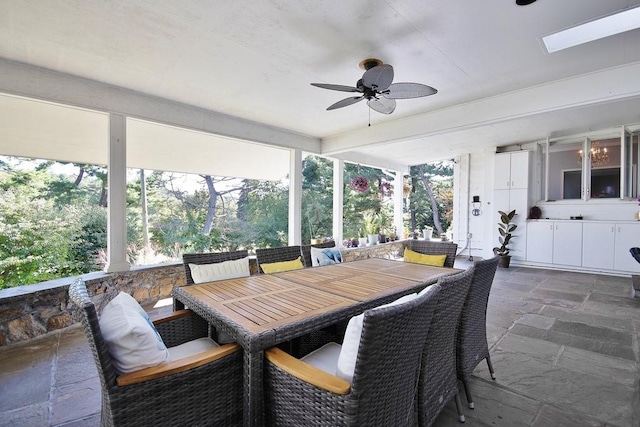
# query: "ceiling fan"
{"points": [[377, 88]]}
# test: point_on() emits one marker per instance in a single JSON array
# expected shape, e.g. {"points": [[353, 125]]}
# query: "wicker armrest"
{"points": [[180, 365], [307, 373], [178, 314]]}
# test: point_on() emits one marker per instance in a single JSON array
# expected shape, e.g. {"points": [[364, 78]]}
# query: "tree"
{"points": [[432, 201]]}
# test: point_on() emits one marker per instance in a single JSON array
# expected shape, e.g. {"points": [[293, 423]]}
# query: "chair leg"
{"points": [[459, 408], [467, 392], [493, 374]]}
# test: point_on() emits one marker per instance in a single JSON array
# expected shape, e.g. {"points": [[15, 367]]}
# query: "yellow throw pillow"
{"points": [[417, 258], [279, 267]]}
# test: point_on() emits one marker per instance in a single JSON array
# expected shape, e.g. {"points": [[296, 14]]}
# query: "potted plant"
{"points": [[505, 228], [362, 237], [372, 228]]}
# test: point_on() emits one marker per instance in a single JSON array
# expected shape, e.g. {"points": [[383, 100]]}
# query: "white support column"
{"points": [[338, 201], [117, 209], [398, 223], [295, 198]]}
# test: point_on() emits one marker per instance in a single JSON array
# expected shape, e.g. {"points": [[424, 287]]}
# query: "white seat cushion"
{"points": [[325, 256], [325, 358], [351, 344], [133, 341], [192, 347], [202, 273]]}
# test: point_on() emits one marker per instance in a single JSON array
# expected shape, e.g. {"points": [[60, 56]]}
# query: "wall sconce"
{"points": [[477, 204]]}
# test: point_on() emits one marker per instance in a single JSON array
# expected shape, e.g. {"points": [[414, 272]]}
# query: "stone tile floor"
{"points": [[564, 347]]}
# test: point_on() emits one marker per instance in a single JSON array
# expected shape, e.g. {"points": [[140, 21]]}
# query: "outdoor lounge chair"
{"points": [[471, 346], [435, 248], [202, 389], [438, 382], [382, 391]]}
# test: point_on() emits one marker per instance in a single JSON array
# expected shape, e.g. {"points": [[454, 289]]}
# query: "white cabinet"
{"points": [[597, 246], [511, 178], [540, 241], [598, 243], [511, 170], [627, 237], [567, 243]]}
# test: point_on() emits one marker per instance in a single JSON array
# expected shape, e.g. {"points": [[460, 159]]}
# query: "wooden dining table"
{"points": [[261, 311]]}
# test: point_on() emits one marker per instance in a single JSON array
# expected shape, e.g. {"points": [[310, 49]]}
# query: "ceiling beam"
{"points": [[26, 80], [613, 84]]}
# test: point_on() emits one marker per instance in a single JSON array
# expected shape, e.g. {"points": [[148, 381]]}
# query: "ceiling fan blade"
{"points": [[345, 102], [378, 77], [409, 90], [336, 87], [382, 105]]}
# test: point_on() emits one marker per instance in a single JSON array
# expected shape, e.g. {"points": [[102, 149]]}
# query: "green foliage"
{"points": [[505, 228], [53, 224]]}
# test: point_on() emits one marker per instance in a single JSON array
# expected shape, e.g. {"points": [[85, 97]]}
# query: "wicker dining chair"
{"points": [[471, 342], [438, 382], [383, 389], [435, 248], [209, 258], [284, 253], [306, 251], [202, 389]]}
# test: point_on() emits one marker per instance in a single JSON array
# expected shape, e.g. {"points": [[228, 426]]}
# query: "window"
{"points": [[574, 175]]}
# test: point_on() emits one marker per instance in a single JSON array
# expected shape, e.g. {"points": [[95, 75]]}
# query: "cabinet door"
{"points": [[519, 169], [540, 241], [567, 243], [598, 245], [502, 171], [627, 237]]}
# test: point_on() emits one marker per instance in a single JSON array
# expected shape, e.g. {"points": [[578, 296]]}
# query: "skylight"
{"points": [[617, 23]]}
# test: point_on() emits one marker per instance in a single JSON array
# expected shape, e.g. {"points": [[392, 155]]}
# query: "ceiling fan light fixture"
{"points": [[369, 63], [524, 2], [377, 87]]}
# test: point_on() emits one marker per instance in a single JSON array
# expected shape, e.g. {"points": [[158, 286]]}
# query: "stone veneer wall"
{"points": [[29, 311]]}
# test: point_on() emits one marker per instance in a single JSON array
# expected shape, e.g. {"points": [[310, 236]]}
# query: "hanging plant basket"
{"points": [[359, 184]]}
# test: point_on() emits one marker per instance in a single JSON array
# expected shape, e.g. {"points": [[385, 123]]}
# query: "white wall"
{"points": [[474, 177]]}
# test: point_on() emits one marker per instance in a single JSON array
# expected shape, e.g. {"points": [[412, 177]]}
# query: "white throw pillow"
{"points": [[325, 256], [351, 343], [202, 273], [133, 341]]}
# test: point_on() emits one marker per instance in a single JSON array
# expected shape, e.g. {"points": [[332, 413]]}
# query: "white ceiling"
{"points": [[496, 83]]}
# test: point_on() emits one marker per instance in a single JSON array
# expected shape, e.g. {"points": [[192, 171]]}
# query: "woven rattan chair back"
{"points": [[435, 248], [388, 362], [306, 251], [209, 258], [210, 394], [89, 318], [384, 383], [438, 382], [285, 253], [471, 345]]}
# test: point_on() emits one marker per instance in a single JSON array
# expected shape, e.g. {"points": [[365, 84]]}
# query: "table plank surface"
{"points": [[260, 305], [365, 285]]}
